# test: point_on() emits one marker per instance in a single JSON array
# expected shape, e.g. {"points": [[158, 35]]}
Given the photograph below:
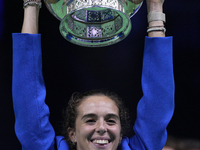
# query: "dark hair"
{"points": [[70, 114]]}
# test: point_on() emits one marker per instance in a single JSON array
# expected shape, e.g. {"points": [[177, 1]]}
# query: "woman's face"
{"points": [[97, 124]]}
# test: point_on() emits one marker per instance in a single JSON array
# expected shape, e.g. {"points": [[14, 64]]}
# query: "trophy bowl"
{"points": [[93, 23]]}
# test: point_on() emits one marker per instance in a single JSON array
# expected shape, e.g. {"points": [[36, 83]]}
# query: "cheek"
{"points": [[116, 130], [88, 128], [85, 130]]}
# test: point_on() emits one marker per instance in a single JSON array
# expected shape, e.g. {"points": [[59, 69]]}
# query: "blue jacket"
{"points": [[154, 110]]}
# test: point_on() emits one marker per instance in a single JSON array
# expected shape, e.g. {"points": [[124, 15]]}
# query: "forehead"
{"points": [[98, 104]]}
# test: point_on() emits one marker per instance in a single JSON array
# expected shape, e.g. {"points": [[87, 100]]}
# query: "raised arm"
{"points": [[32, 125], [155, 109]]}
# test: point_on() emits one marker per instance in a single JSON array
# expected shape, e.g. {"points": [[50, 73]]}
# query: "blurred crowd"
{"points": [[174, 143]]}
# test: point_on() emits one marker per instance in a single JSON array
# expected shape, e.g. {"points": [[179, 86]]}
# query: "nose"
{"points": [[101, 127]]}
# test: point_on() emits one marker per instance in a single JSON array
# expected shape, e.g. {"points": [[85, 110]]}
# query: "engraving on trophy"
{"points": [[93, 16], [108, 14], [79, 29], [118, 23], [80, 15], [80, 3], [108, 29], [71, 24], [94, 32]]}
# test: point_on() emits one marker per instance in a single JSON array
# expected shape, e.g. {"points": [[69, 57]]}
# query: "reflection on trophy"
{"points": [[94, 23]]}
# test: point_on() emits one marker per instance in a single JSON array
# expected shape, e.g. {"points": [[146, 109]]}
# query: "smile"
{"points": [[100, 141]]}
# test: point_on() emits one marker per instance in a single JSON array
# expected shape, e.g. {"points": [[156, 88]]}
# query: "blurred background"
{"points": [[69, 68]]}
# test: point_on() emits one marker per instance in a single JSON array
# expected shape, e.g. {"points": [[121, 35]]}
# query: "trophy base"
{"points": [[95, 26]]}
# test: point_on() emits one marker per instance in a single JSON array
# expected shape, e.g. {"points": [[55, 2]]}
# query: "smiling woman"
{"points": [[94, 120], [98, 111], [95, 125]]}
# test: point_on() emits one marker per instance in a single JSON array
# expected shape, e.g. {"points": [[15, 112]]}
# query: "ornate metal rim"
{"points": [[95, 34]]}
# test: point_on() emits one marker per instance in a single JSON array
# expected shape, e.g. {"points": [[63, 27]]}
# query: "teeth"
{"points": [[100, 141]]}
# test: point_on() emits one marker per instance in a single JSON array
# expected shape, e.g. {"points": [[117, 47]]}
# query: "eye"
{"points": [[90, 121], [111, 121]]}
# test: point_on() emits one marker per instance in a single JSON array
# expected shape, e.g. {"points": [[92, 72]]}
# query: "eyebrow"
{"points": [[112, 116], [91, 115]]}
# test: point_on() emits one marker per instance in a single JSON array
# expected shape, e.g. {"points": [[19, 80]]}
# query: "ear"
{"points": [[120, 137], [71, 134]]}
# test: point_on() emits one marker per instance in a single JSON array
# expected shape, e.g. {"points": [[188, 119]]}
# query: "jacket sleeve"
{"points": [[156, 107], [32, 125]]}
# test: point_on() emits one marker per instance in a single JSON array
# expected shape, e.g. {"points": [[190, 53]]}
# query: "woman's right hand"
{"points": [[31, 15]]}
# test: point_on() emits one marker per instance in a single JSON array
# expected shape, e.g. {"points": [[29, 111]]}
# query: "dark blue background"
{"points": [[1, 18], [69, 68]]}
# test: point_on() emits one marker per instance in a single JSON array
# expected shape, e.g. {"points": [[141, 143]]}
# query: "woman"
{"points": [[97, 117]]}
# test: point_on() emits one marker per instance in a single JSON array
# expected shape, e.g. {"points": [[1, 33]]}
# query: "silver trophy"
{"points": [[93, 23]]}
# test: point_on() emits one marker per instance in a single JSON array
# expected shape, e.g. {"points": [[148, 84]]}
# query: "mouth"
{"points": [[101, 142]]}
